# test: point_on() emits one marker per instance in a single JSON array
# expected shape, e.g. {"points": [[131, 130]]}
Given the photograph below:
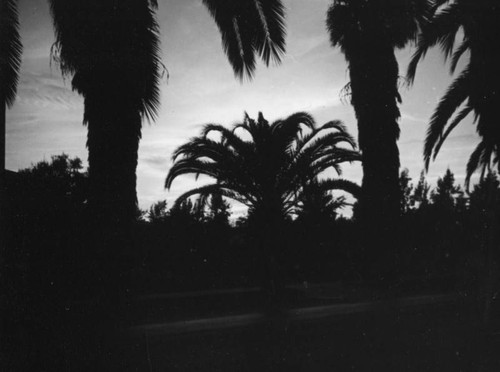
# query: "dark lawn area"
{"points": [[440, 337]]}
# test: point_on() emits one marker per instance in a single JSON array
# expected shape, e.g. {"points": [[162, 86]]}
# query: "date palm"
{"points": [[10, 63], [368, 32], [268, 168], [476, 90], [111, 48]]}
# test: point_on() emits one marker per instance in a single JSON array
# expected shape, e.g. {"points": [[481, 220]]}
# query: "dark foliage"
{"points": [[11, 50], [475, 24], [54, 283], [250, 28]]}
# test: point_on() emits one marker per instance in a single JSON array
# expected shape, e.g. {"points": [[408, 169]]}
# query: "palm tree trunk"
{"points": [[374, 89], [113, 144]]}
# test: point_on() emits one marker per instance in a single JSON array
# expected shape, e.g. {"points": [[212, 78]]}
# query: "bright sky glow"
{"points": [[47, 117]]}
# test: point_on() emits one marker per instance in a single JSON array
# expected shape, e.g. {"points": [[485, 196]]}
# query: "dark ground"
{"points": [[439, 337]]}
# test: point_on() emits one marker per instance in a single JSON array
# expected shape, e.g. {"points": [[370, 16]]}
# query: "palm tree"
{"points": [[111, 48], [268, 167], [112, 51], [10, 63], [269, 172], [476, 90], [368, 32]]}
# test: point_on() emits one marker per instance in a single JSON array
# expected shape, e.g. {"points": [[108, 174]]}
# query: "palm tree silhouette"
{"points": [[368, 32], [477, 88], [268, 168], [10, 63], [112, 51]]}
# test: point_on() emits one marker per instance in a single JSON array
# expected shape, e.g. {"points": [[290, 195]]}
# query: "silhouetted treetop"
{"points": [[266, 166]]}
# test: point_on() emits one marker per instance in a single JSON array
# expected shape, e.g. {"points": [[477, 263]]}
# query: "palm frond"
{"points": [[193, 166], [11, 51], [270, 37], [212, 189], [340, 184], [462, 48], [457, 120], [249, 27], [201, 147], [441, 30], [228, 137], [475, 161], [456, 94]]}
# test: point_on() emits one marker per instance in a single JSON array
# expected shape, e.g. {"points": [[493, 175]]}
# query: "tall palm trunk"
{"points": [[113, 143], [374, 78]]}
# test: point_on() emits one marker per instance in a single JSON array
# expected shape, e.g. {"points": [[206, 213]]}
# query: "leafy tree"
{"points": [[420, 196], [47, 204], [447, 194], [367, 33], [219, 210], [61, 178], [158, 212], [476, 89], [319, 206], [112, 51], [481, 194], [186, 212], [406, 190]]}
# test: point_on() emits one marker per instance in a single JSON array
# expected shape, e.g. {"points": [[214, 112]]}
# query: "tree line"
{"points": [[112, 53]]}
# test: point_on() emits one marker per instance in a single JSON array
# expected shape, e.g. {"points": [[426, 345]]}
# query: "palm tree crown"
{"points": [[395, 22], [10, 51], [477, 87], [269, 169], [10, 63], [110, 48]]}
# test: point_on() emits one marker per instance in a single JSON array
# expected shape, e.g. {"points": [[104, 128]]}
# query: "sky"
{"points": [[46, 119]]}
